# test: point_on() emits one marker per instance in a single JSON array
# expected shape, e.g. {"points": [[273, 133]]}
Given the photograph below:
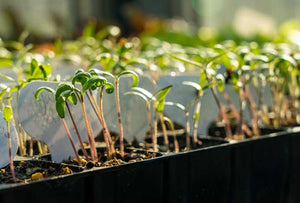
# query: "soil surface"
{"points": [[29, 170]]}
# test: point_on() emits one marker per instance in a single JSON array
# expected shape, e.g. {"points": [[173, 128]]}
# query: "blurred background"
{"points": [[50, 19]]}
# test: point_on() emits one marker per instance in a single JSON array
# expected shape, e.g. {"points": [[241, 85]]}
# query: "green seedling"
{"points": [[7, 115], [116, 79]]}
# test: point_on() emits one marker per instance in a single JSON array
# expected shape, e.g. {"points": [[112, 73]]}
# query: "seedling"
{"points": [[116, 79], [7, 115], [171, 126]]}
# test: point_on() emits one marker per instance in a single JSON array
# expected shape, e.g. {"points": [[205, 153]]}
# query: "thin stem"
{"points": [[98, 114], [119, 118], [222, 113], [77, 133], [241, 117], [105, 128], [195, 123], [253, 112], [11, 163], [187, 126], [235, 113], [154, 137], [149, 119], [71, 140], [166, 140], [89, 132]]}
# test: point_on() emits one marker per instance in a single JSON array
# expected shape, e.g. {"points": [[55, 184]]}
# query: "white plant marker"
{"points": [[4, 158], [133, 109], [40, 120], [209, 111]]}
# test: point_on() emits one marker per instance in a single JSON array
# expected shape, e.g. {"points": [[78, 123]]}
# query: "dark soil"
{"points": [[27, 171]]}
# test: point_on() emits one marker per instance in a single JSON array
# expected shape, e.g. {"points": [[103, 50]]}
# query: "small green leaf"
{"points": [[162, 93], [134, 75], [200, 65], [96, 81], [39, 90], [33, 66], [7, 113], [14, 89], [160, 105], [71, 97], [109, 88], [62, 87], [3, 92], [81, 77], [60, 107], [6, 62], [202, 80]]}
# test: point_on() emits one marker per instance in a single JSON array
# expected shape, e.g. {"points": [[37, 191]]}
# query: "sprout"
{"points": [[7, 115], [116, 79]]}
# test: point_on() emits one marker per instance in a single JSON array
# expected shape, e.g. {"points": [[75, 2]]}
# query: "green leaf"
{"points": [[202, 80], [81, 77], [3, 92], [6, 62], [200, 65], [33, 66], [7, 78], [60, 107], [96, 81], [14, 89], [46, 70], [71, 97], [7, 113], [62, 87], [109, 88], [160, 105], [162, 93], [39, 90], [134, 75]]}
